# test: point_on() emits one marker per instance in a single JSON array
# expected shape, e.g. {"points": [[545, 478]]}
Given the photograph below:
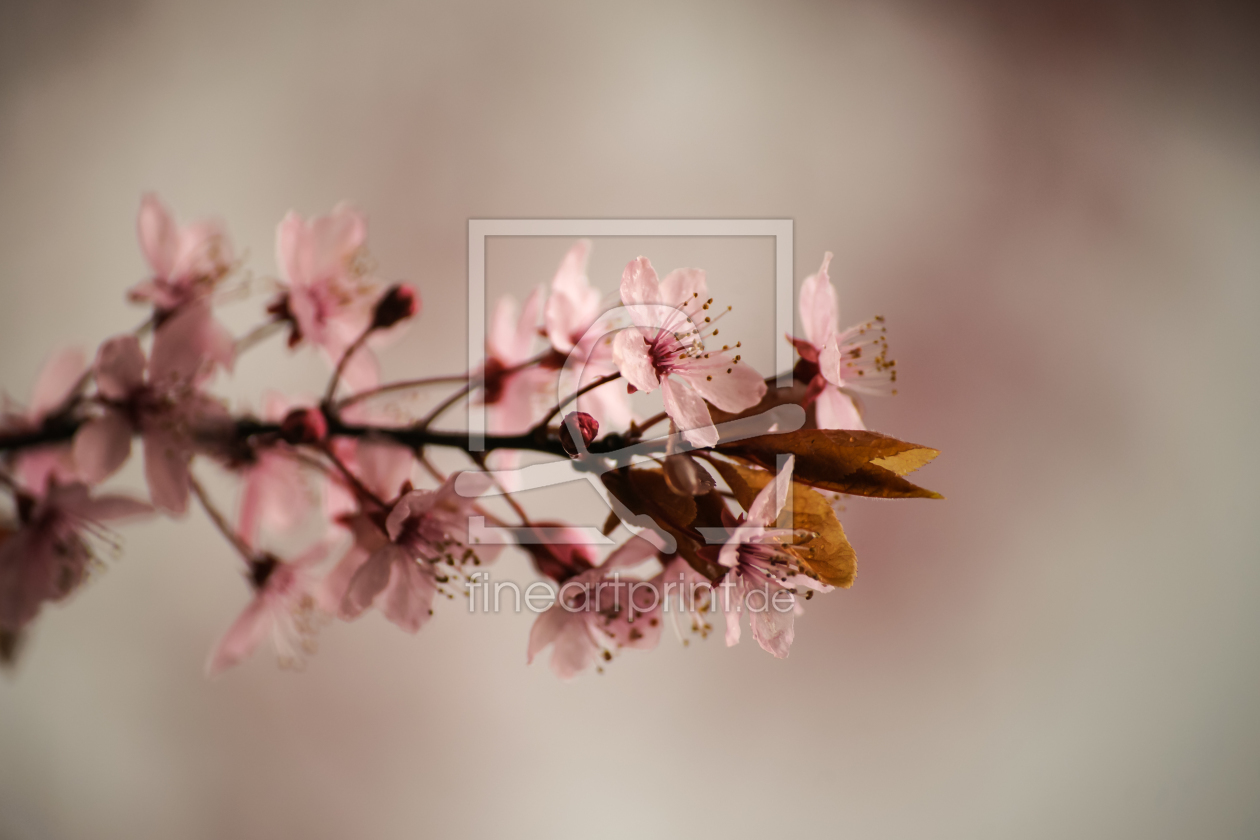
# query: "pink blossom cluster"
{"points": [[341, 512]]}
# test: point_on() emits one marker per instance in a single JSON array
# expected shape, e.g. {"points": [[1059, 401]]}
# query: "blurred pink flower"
{"points": [[53, 389], [594, 615], [276, 492], [514, 391], [666, 349], [187, 262], [763, 576], [830, 360], [330, 299], [49, 554], [283, 605], [572, 310], [400, 576], [165, 408]]}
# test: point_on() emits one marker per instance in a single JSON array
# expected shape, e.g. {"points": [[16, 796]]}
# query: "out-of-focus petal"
{"points": [[159, 237], [573, 650], [408, 600], [370, 579], [546, 627], [573, 304], [242, 638], [772, 629], [102, 445], [166, 470], [60, 373], [119, 367], [188, 345]]}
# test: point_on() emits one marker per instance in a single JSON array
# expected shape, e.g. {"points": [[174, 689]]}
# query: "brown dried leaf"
{"points": [[828, 555], [855, 462], [646, 492]]}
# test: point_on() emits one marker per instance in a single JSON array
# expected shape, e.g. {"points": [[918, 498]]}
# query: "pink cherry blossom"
{"points": [[277, 492], [515, 392], [50, 553], [283, 605], [831, 360], [579, 338], [330, 298], [763, 575], [54, 387], [573, 305], [186, 262], [425, 537], [594, 614], [666, 349], [158, 399]]}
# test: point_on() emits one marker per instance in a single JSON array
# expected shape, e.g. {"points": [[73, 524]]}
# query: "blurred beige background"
{"points": [[1058, 212]]}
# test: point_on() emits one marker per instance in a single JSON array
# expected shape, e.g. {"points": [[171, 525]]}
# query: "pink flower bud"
{"points": [[587, 425], [304, 425], [399, 303]]}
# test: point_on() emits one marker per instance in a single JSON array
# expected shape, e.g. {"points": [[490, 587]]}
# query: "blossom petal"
{"points": [[242, 638], [188, 345], [829, 362], [574, 650], [689, 413], [166, 470], [819, 310], [730, 385], [770, 501], [634, 359], [119, 367], [414, 504], [639, 284], [159, 236], [60, 373], [291, 248], [733, 609], [773, 629], [408, 600], [102, 445], [111, 507], [370, 579], [834, 409], [546, 627], [573, 304], [685, 287]]}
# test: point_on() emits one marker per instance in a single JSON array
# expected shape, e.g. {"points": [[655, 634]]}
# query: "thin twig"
{"points": [[355, 484], [341, 364], [442, 406], [398, 386], [219, 521], [590, 386]]}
